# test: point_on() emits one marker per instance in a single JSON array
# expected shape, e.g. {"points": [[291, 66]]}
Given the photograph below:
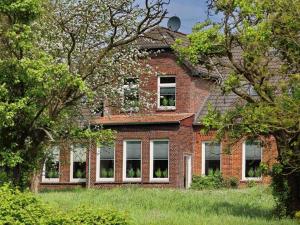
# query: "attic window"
{"points": [[167, 92]]}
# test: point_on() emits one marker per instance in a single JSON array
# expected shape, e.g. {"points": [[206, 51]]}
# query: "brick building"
{"points": [[161, 146]]}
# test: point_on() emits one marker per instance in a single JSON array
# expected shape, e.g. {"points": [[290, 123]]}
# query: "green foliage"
{"points": [[165, 173], [110, 173], [255, 46], [158, 173], [131, 172], [138, 173], [23, 208], [103, 172], [251, 183], [231, 182], [213, 180]]}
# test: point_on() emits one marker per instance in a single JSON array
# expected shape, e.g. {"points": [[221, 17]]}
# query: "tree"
{"points": [[254, 49], [56, 57]]}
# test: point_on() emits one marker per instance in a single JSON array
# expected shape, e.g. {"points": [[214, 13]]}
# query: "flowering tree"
{"points": [[54, 54], [254, 51]]}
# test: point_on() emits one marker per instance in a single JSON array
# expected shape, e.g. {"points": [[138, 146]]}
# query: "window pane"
{"points": [[253, 159], [133, 159], [167, 80], [52, 163], [160, 159], [107, 162], [167, 91], [160, 149], [107, 152], [133, 150], [79, 161], [212, 157]]}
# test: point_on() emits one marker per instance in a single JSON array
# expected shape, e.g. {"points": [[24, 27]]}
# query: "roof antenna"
{"points": [[174, 23]]}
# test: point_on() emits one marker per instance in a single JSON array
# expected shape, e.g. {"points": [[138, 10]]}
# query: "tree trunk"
{"points": [[34, 183]]}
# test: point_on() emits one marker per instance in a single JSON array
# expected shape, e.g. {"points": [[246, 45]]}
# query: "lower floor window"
{"points": [[159, 159], [106, 162], [252, 159], [78, 162], [51, 166], [211, 157], [132, 160]]}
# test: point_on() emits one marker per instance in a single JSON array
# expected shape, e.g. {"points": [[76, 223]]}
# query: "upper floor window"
{"points": [[166, 92], [252, 156], [211, 157], [51, 166], [78, 163], [131, 94]]}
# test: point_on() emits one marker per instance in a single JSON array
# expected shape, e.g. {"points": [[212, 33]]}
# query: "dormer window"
{"points": [[167, 92], [131, 94]]}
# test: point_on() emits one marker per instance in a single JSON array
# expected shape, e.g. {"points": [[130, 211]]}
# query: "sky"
{"points": [[189, 11]]}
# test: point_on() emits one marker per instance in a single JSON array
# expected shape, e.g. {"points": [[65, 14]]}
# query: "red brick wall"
{"points": [[190, 91], [231, 164]]}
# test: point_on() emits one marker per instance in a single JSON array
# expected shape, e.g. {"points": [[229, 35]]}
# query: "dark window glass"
{"points": [[133, 159], [52, 164], [160, 159], [212, 157], [107, 162], [79, 162], [252, 159], [131, 94], [167, 80]]}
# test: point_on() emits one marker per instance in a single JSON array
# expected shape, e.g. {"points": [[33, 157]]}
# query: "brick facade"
{"points": [[184, 137]]}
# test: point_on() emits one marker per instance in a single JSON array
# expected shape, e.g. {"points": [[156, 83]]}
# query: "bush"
{"points": [[231, 182], [23, 208], [213, 180], [297, 216]]}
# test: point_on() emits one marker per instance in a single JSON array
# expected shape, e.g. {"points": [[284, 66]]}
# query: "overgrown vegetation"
{"points": [[250, 206], [213, 180], [23, 208], [253, 52]]}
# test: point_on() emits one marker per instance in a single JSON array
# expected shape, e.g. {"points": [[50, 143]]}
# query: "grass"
{"points": [[252, 206]]}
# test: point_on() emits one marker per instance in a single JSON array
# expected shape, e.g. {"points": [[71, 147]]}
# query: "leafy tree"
{"points": [[56, 57], [254, 51]]}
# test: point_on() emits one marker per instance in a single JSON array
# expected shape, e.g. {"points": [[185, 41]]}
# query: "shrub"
{"points": [[231, 182], [212, 181], [23, 208], [297, 216], [251, 183]]}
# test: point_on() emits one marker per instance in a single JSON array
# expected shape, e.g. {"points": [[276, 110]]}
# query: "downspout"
{"points": [[89, 164]]}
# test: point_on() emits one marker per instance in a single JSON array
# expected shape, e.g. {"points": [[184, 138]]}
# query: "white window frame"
{"points": [[203, 157], [159, 85], [72, 179], [103, 179], [244, 178], [131, 109], [130, 179], [51, 180], [153, 179]]}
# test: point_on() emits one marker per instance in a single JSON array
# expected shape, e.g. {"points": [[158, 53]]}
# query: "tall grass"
{"points": [[252, 206]]}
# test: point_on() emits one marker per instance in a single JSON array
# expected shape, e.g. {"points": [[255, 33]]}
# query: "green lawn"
{"points": [[177, 207]]}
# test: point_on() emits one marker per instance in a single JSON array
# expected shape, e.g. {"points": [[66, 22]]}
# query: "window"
{"points": [[211, 157], [78, 163], [166, 92], [132, 161], [131, 94], [106, 163], [51, 166], [252, 154], [159, 164]]}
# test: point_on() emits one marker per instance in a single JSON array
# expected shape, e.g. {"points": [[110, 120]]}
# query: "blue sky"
{"points": [[189, 12]]}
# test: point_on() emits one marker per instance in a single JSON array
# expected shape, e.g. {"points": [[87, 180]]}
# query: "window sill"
{"points": [[50, 180], [132, 180], [77, 180], [107, 180], [251, 179], [159, 180], [166, 108]]}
